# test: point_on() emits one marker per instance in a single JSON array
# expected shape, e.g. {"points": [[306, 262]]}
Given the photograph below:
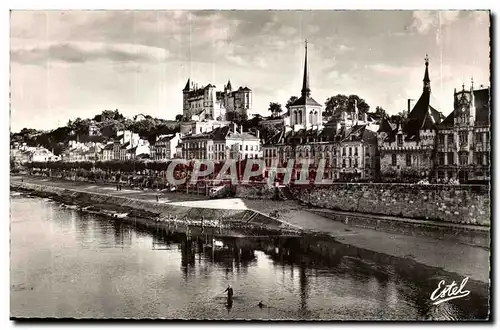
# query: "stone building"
{"points": [[408, 148], [463, 138], [239, 101], [204, 126], [205, 103], [164, 147], [222, 143]]}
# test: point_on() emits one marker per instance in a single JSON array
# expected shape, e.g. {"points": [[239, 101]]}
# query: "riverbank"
{"points": [[452, 257]]}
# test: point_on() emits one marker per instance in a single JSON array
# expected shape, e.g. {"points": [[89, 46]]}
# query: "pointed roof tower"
{"points": [[306, 91], [228, 86], [188, 85], [424, 114], [305, 98], [427, 81]]}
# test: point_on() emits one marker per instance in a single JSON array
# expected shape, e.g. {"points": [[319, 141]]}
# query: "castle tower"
{"points": [[185, 98]]}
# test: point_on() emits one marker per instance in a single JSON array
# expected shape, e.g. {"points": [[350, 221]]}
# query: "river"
{"points": [[65, 263]]}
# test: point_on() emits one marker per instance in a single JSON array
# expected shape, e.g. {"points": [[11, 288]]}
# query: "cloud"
{"points": [[424, 21], [344, 48], [81, 52], [389, 69]]}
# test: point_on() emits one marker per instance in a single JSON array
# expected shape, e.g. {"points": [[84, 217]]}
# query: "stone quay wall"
{"points": [[464, 204], [261, 191]]}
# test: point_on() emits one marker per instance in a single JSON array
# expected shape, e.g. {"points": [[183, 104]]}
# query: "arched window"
{"points": [[311, 117], [300, 117], [296, 117]]}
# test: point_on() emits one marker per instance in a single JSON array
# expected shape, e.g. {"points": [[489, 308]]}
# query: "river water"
{"points": [[68, 264]]}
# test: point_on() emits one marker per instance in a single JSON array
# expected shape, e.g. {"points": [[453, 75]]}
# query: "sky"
{"points": [[69, 64]]}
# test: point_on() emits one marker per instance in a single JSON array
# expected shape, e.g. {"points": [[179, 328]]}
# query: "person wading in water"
{"points": [[229, 291]]}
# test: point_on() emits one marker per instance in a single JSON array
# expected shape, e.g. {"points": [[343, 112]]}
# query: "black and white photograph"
{"points": [[278, 165]]}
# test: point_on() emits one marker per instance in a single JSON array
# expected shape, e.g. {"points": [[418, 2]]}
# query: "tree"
{"points": [[362, 105], [380, 112], [290, 101], [401, 117], [335, 104], [275, 109], [179, 117]]}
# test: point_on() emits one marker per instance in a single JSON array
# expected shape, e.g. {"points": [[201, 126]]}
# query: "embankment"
{"points": [[463, 204], [151, 210]]}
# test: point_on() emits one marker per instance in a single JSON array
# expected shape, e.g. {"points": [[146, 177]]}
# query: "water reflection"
{"points": [[133, 272]]}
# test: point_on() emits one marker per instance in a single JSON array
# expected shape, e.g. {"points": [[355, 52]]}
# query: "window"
{"points": [[463, 138], [441, 158], [408, 159], [246, 148], [343, 162], [241, 147], [394, 160], [355, 151], [464, 158], [350, 162], [400, 139], [251, 148], [355, 162], [441, 139], [479, 138], [450, 138], [350, 151], [450, 158], [343, 151], [479, 158]]}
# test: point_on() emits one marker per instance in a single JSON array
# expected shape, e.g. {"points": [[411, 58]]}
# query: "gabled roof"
{"points": [[188, 85], [305, 100], [423, 116], [166, 138], [385, 126]]}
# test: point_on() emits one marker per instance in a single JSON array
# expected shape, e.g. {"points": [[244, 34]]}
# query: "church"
{"points": [[346, 145]]}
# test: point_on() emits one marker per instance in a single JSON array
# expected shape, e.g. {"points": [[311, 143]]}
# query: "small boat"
{"points": [[120, 215], [15, 193]]}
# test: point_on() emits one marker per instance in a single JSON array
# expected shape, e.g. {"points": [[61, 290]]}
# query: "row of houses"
{"points": [[351, 145], [22, 153], [426, 144]]}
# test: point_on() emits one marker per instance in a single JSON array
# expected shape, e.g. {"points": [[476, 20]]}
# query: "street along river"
{"points": [[65, 263]]}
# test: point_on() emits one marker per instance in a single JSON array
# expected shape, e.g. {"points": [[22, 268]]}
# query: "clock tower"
{"points": [[464, 106]]}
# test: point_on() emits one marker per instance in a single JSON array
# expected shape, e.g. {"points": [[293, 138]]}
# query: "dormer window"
{"points": [[400, 139]]}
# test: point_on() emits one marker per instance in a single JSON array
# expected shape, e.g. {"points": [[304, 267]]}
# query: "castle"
{"points": [[205, 103]]}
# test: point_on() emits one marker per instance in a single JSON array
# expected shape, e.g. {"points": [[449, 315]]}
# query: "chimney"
{"points": [[235, 127], [258, 134], [409, 105]]}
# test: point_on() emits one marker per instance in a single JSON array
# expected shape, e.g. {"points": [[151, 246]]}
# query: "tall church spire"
{"points": [[306, 92], [427, 81]]}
